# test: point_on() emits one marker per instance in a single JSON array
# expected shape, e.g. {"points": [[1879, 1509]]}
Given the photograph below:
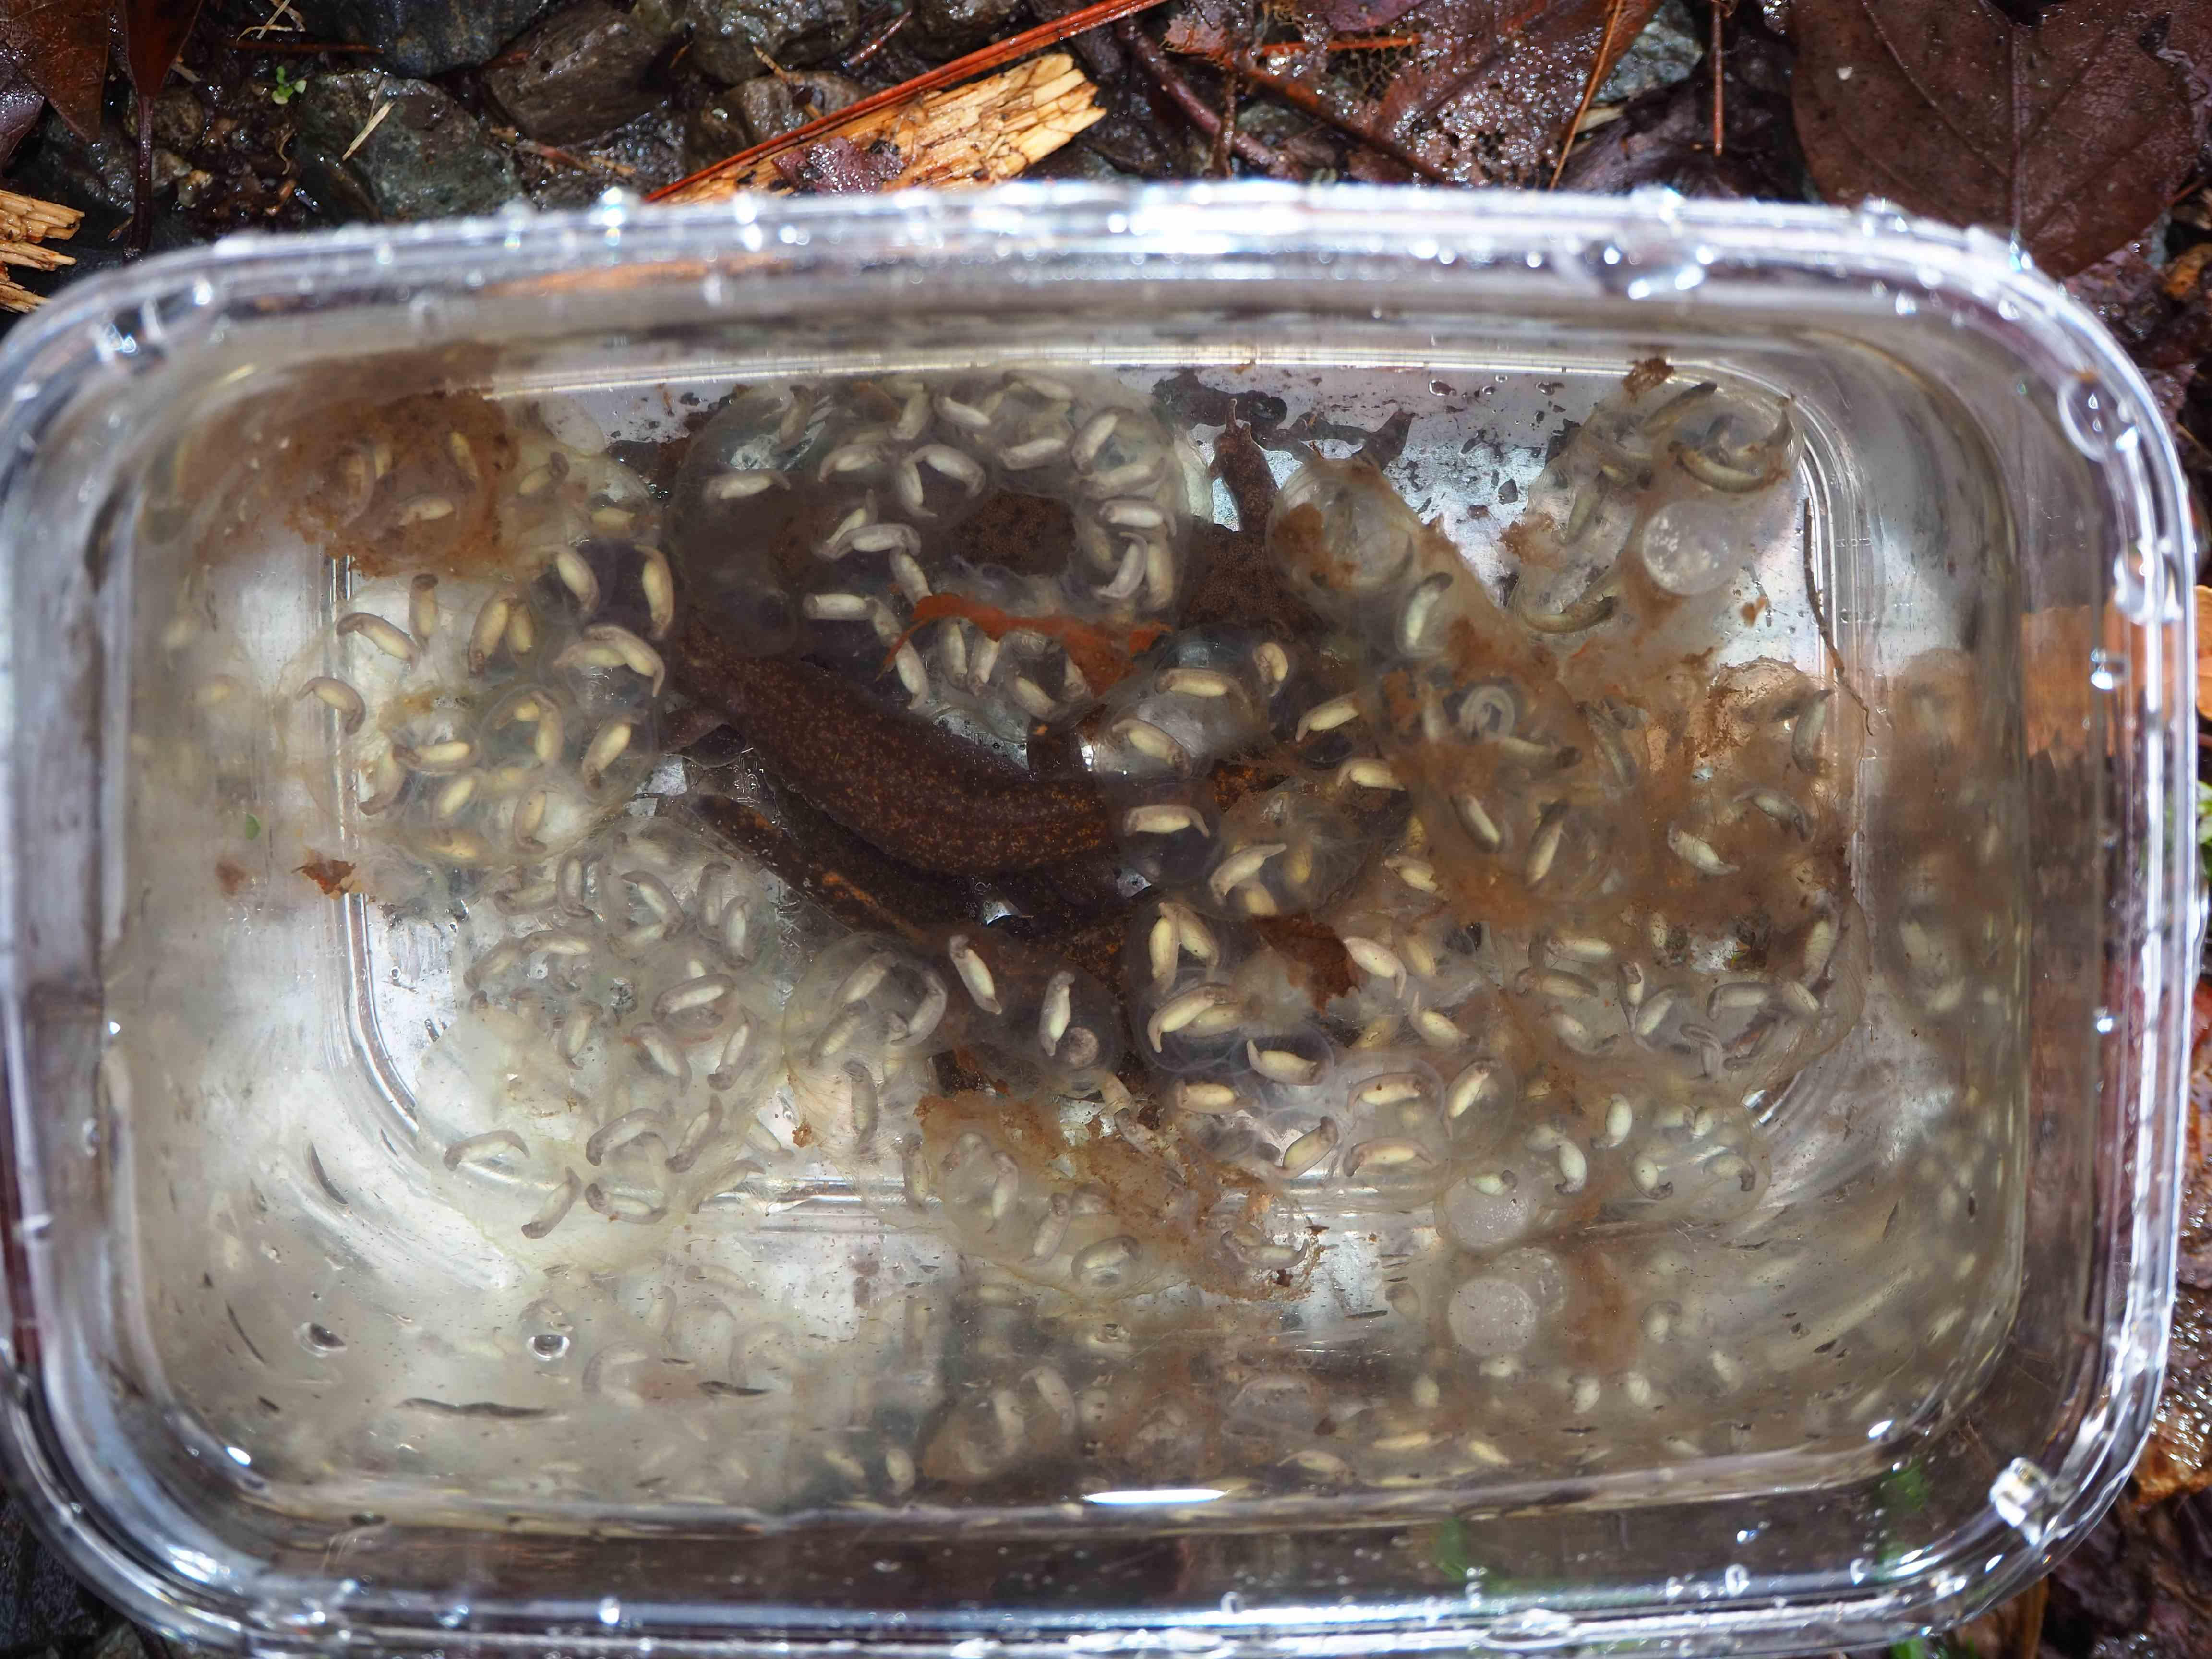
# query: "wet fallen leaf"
{"points": [[1353, 16], [154, 32], [19, 104], [2074, 133], [1489, 91], [62, 46]]}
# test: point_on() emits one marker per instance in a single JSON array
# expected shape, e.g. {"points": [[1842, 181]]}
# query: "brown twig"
{"points": [[1720, 12], [1820, 616], [560, 157], [979, 61], [1218, 164], [1170, 81], [874, 44], [1589, 91], [1303, 97]]}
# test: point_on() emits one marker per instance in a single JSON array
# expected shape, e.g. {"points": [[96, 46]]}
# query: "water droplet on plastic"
{"points": [[1735, 1579], [1861, 1569], [609, 1610], [2090, 414], [1534, 1626], [455, 1616], [548, 1344], [1232, 1603]]}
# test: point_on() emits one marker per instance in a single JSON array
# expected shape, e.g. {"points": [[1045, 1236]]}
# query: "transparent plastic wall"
{"points": [[246, 1349]]}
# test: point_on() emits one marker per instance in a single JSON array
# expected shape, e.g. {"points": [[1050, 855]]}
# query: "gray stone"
{"points": [[951, 27], [428, 159], [580, 74], [1665, 51], [421, 36], [773, 104], [728, 37], [180, 117]]}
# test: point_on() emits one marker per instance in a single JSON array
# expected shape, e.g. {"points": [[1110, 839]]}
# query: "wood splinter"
{"points": [[984, 133]]}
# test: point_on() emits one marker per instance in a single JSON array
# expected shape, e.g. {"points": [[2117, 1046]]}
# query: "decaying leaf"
{"points": [[2075, 133], [1490, 90], [1353, 16], [154, 32]]}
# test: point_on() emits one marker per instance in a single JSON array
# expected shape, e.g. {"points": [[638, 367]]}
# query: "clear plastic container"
{"points": [[267, 1393]]}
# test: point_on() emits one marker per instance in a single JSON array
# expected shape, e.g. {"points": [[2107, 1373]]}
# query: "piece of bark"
{"points": [[25, 222], [982, 133]]}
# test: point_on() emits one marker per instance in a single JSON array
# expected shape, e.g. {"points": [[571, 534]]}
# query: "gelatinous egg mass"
{"points": [[1259, 1008]]}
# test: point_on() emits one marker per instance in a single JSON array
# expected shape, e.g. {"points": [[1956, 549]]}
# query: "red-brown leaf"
{"points": [[2074, 134], [1494, 84], [154, 32], [62, 47]]}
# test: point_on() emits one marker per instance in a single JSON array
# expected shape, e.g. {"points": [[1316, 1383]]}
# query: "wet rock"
{"points": [[428, 158], [729, 37], [59, 165], [422, 36], [1667, 50], [951, 26], [580, 74], [180, 117], [772, 104]]}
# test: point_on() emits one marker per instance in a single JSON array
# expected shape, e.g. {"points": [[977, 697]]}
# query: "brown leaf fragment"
{"points": [[1206, 28], [332, 875], [2073, 134], [1646, 374], [1319, 964]]}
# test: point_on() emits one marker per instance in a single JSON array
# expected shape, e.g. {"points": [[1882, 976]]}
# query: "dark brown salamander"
{"points": [[1075, 909], [919, 794], [834, 867]]}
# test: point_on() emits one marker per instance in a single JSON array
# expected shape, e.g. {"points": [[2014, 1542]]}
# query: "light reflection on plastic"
{"points": [[1157, 1495]]}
